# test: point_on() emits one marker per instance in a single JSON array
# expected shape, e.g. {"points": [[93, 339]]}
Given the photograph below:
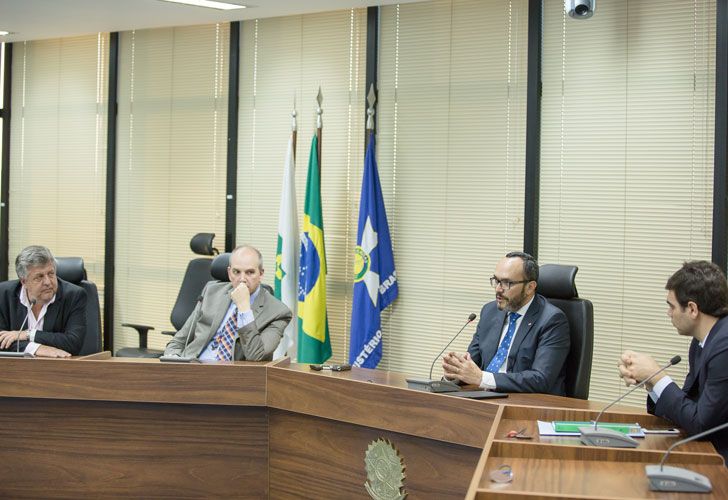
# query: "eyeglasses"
{"points": [[505, 284]]}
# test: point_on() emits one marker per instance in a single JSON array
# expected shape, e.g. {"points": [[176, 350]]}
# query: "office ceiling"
{"points": [[39, 19]]}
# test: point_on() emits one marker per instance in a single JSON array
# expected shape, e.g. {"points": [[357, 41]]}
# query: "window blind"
{"points": [[452, 120], [289, 58], [171, 166], [58, 149], [626, 166]]}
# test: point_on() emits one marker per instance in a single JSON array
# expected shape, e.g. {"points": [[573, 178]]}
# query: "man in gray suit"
{"points": [[522, 340], [239, 320]]}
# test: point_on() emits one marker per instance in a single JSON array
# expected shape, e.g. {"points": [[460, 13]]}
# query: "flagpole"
{"points": [[375, 278], [287, 247], [371, 99], [294, 128], [319, 125]]}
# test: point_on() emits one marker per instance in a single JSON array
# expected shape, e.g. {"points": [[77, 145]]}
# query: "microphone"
{"points": [[668, 478], [175, 358], [430, 385], [16, 353], [591, 436], [17, 339]]}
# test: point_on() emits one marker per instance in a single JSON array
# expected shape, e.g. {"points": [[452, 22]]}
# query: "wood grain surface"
{"points": [[94, 427], [92, 449], [313, 457], [348, 397], [135, 380], [538, 477], [655, 442]]}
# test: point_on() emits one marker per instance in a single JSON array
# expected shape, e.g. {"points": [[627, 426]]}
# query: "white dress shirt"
{"points": [[34, 324]]}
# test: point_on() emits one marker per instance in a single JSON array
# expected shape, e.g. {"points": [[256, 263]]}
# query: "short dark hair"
{"points": [[530, 266], [701, 282]]}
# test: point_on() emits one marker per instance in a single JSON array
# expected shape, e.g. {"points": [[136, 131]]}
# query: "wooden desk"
{"points": [[548, 467], [99, 427]]}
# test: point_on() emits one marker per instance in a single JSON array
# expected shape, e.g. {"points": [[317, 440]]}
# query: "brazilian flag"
{"points": [[314, 344]]}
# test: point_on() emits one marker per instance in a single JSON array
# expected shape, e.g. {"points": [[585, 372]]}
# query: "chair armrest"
{"points": [[143, 330]]}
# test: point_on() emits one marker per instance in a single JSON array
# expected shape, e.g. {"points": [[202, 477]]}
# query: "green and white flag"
{"points": [[286, 283]]}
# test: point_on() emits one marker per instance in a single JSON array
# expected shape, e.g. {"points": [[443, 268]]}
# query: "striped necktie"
{"points": [[225, 338]]}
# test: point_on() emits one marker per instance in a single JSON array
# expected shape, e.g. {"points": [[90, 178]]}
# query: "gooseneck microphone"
{"points": [[592, 436], [668, 478], [430, 385], [174, 358], [17, 339], [470, 320]]}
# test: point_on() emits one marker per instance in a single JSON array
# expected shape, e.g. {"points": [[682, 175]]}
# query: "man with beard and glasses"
{"points": [[522, 340]]}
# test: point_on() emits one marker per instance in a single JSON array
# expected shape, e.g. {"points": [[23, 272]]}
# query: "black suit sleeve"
{"points": [[707, 409], [6, 323], [72, 321]]}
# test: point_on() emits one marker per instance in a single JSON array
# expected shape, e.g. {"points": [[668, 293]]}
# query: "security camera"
{"points": [[580, 9]]}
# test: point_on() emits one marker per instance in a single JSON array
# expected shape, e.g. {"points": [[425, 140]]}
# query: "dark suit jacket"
{"points": [[536, 362], [64, 325], [702, 403]]}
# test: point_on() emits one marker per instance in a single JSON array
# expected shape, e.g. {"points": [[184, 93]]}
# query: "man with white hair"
{"points": [[46, 315]]}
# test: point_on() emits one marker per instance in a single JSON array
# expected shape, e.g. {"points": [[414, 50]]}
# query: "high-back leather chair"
{"points": [[72, 269], [195, 278], [556, 283]]}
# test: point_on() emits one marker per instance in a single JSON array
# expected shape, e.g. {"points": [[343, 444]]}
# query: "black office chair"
{"points": [[71, 269], [196, 277], [556, 283], [219, 270]]}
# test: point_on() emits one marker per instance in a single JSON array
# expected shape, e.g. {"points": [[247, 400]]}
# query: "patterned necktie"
{"points": [[500, 355], [225, 338]]}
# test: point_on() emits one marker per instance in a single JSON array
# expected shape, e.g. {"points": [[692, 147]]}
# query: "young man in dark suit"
{"points": [[521, 342], [697, 304]]}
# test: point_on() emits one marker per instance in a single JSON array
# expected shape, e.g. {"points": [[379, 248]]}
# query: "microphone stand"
{"points": [[592, 436], [430, 385]]}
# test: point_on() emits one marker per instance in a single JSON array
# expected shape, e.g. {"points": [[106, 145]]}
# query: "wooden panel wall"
{"points": [[91, 449], [312, 457]]}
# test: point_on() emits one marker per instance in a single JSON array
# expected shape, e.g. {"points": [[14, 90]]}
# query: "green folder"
{"points": [[571, 426]]}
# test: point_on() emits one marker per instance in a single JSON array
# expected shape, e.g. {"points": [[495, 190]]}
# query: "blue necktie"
{"points": [[500, 355]]}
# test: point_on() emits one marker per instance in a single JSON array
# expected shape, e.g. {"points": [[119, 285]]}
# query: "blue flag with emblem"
{"points": [[375, 279]]}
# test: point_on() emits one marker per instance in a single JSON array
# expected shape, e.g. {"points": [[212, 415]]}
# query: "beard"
{"points": [[514, 304]]}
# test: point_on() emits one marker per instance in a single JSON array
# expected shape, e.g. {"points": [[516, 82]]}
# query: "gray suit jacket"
{"points": [[536, 362], [256, 341]]}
